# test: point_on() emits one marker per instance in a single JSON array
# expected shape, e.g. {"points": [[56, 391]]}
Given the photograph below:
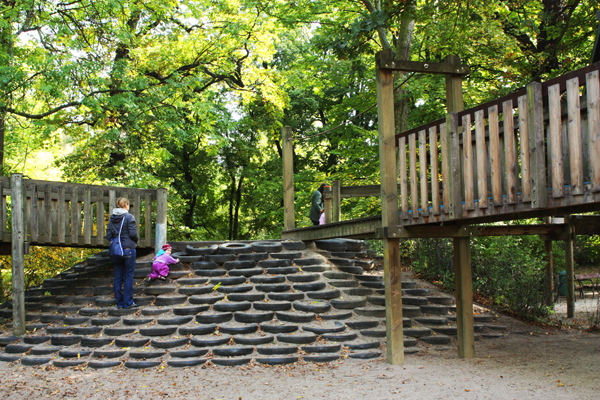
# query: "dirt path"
{"points": [[532, 364]]}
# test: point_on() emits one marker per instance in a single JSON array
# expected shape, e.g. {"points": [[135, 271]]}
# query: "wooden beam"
{"points": [[18, 258], [385, 61], [464, 298], [537, 154], [454, 94], [287, 147], [160, 235], [389, 216], [569, 267], [360, 191], [337, 201], [327, 206]]}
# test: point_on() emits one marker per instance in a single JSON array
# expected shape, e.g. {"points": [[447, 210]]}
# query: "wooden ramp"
{"points": [[533, 153]]}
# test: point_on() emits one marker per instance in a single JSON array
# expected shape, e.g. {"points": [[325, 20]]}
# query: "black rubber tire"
{"points": [[324, 294], [253, 257], [316, 307], [74, 353], [219, 258], [322, 348], [340, 337], [253, 340], [126, 342], [348, 303], [320, 329], [275, 263], [251, 297], [95, 342], [141, 364], [286, 296], [189, 259], [104, 321], [235, 328], [235, 248], [103, 364], [331, 245], [228, 281], [231, 362], [65, 340], [253, 317], [188, 353], [360, 325], [267, 247], [68, 363], [217, 318], [201, 251], [186, 362], [310, 287], [170, 300], [109, 353], [291, 255], [192, 281], [298, 317], [273, 288], [229, 265], [32, 360], [208, 299], [267, 279], [36, 339], [210, 272], [294, 245], [190, 310], [276, 350], [235, 289], [277, 360], [175, 320], [146, 354], [303, 278], [137, 321], [86, 330], [44, 350], [118, 331], [197, 329], [195, 290], [203, 265], [233, 351], [300, 338], [210, 341], [158, 331], [283, 270], [246, 272], [272, 306], [278, 328], [227, 306]]}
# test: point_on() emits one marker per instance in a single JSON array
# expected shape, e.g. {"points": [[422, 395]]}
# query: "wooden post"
{"points": [[336, 212], [18, 260], [328, 197], [454, 94], [537, 152], [549, 266], [389, 214], [464, 298], [453, 152], [287, 147], [569, 267], [161, 219]]}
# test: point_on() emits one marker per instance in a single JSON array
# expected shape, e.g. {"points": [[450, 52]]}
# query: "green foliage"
{"points": [[510, 270], [41, 263]]}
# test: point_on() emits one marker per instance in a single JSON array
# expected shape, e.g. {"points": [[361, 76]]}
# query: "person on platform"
{"points": [[160, 266], [317, 205]]}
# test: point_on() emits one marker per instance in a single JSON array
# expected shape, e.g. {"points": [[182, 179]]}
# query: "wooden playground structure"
{"points": [[532, 154]]}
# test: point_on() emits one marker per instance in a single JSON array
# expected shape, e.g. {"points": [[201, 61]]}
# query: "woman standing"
{"points": [[316, 204], [122, 232]]}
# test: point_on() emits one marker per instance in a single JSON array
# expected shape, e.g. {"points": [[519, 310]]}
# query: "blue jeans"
{"points": [[124, 269]]}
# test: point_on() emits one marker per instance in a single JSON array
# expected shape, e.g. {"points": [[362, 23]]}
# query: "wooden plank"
{"points": [[287, 148], [161, 220], [468, 163], [445, 168], [148, 220], [454, 182], [87, 216], [136, 208], [336, 191], [414, 184], [2, 211], [423, 172], [537, 151], [34, 225], [112, 201], [386, 61], [570, 267], [510, 152], [481, 159], [48, 213], [393, 301], [327, 203], [454, 94], [593, 116], [100, 218], [403, 177], [524, 148], [62, 212], [359, 191], [496, 170], [555, 141], [464, 298], [435, 175], [75, 215], [574, 135], [389, 215], [18, 258]]}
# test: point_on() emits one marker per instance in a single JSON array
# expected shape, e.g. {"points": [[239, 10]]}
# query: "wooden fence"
{"points": [[538, 148], [69, 214]]}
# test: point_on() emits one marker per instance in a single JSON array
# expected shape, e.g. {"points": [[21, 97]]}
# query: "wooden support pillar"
{"points": [[390, 217], [549, 266], [327, 206], [160, 236], [464, 298], [287, 147], [336, 211], [454, 94], [569, 267], [18, 258]]}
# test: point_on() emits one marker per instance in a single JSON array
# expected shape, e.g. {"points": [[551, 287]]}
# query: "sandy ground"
{"points": [[529, 363]]}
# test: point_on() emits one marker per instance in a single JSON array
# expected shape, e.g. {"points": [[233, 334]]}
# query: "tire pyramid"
{"points": [[231, 304]]}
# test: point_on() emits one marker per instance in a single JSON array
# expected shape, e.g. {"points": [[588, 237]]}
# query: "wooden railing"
{"points": [[538, 148], [69, 214]]}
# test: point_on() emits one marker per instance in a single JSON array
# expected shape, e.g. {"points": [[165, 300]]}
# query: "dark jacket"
{"points": [[129, 236]]}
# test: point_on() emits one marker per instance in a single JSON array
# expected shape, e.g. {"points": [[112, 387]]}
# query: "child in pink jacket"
{"points": [[160, 266]]}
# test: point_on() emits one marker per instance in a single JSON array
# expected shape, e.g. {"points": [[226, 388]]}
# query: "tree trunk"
{"points": [[402, 42], [6, 54]]}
